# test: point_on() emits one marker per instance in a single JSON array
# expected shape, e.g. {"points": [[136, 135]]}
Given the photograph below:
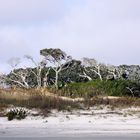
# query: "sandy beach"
{"points": [[78, 122]]}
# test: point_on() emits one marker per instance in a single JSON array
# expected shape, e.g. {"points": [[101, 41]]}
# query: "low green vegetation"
{"points": [[18, 114], [103, 88]]}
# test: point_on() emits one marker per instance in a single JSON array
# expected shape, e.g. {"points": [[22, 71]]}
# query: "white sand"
{"points": [[93, 121]]}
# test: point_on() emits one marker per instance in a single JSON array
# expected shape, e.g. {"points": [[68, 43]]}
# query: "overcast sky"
{"points": [[108, 30]]}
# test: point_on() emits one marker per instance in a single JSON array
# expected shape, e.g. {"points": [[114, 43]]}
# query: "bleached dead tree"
{"points": [[3, 81], [45, 79], [114, 71], [131, 90], [90, 66], [58, 60], [85, 75], [39, 67], [20, 76]]}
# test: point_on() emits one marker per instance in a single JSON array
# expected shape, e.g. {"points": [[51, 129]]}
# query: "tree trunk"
{"points": [[56, 79], [99, 73], [100, 77]]}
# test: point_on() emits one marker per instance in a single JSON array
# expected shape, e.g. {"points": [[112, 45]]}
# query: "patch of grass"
{"points": [[122, 102], [35, 99], [91, 93]]}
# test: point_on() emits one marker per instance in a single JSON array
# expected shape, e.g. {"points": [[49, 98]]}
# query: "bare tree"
{"points": [[92, 65], [131, 90], [114, 71], [45, 79], [20, 76], [39, 67], [3, 81], [85, 75], [58, 59]]}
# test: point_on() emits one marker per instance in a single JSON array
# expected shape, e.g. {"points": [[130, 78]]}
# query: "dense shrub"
{"points": [[93, 88]]}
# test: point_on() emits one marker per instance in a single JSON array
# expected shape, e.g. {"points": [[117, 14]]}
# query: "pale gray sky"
{"points": [[107, 30]]}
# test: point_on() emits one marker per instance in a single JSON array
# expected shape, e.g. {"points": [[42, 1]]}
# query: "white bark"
{"points": [[85, 76], [39, 68], [57, 70], [93, 66], [20, 75], [59, 66], [45, 80], [58, 58], [114, 71], [21, 83], [98, 72], [131, 90]]}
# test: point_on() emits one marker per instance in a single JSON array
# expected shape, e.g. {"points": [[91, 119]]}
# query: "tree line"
{"points": [[57, 69]]}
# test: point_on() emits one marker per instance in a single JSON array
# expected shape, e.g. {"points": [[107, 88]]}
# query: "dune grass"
{"points": [[122, 102], [34, 98], [41, 98]]}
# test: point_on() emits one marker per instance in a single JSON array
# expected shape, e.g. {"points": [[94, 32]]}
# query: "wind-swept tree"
{"points": [[116, 72], [3, 81], [72, 73], [38, 73], [91, 65], [113, 72], [58, 59], [18, 77]]}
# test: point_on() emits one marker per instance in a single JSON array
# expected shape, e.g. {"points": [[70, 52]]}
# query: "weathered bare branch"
{"points": [[91, 65], [58, 58]]}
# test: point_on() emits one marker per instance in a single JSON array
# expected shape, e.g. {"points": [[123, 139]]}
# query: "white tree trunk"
{"points": [[45, 80], [39, 69], [85, 76], [56, 79]]}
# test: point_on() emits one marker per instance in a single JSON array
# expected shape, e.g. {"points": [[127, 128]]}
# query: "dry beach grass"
{"points": [[42, 98]]}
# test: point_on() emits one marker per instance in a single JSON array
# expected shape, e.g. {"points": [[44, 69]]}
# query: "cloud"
{"points": [[103, 29], [12, 43], [107, 30], [28, 11]]}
